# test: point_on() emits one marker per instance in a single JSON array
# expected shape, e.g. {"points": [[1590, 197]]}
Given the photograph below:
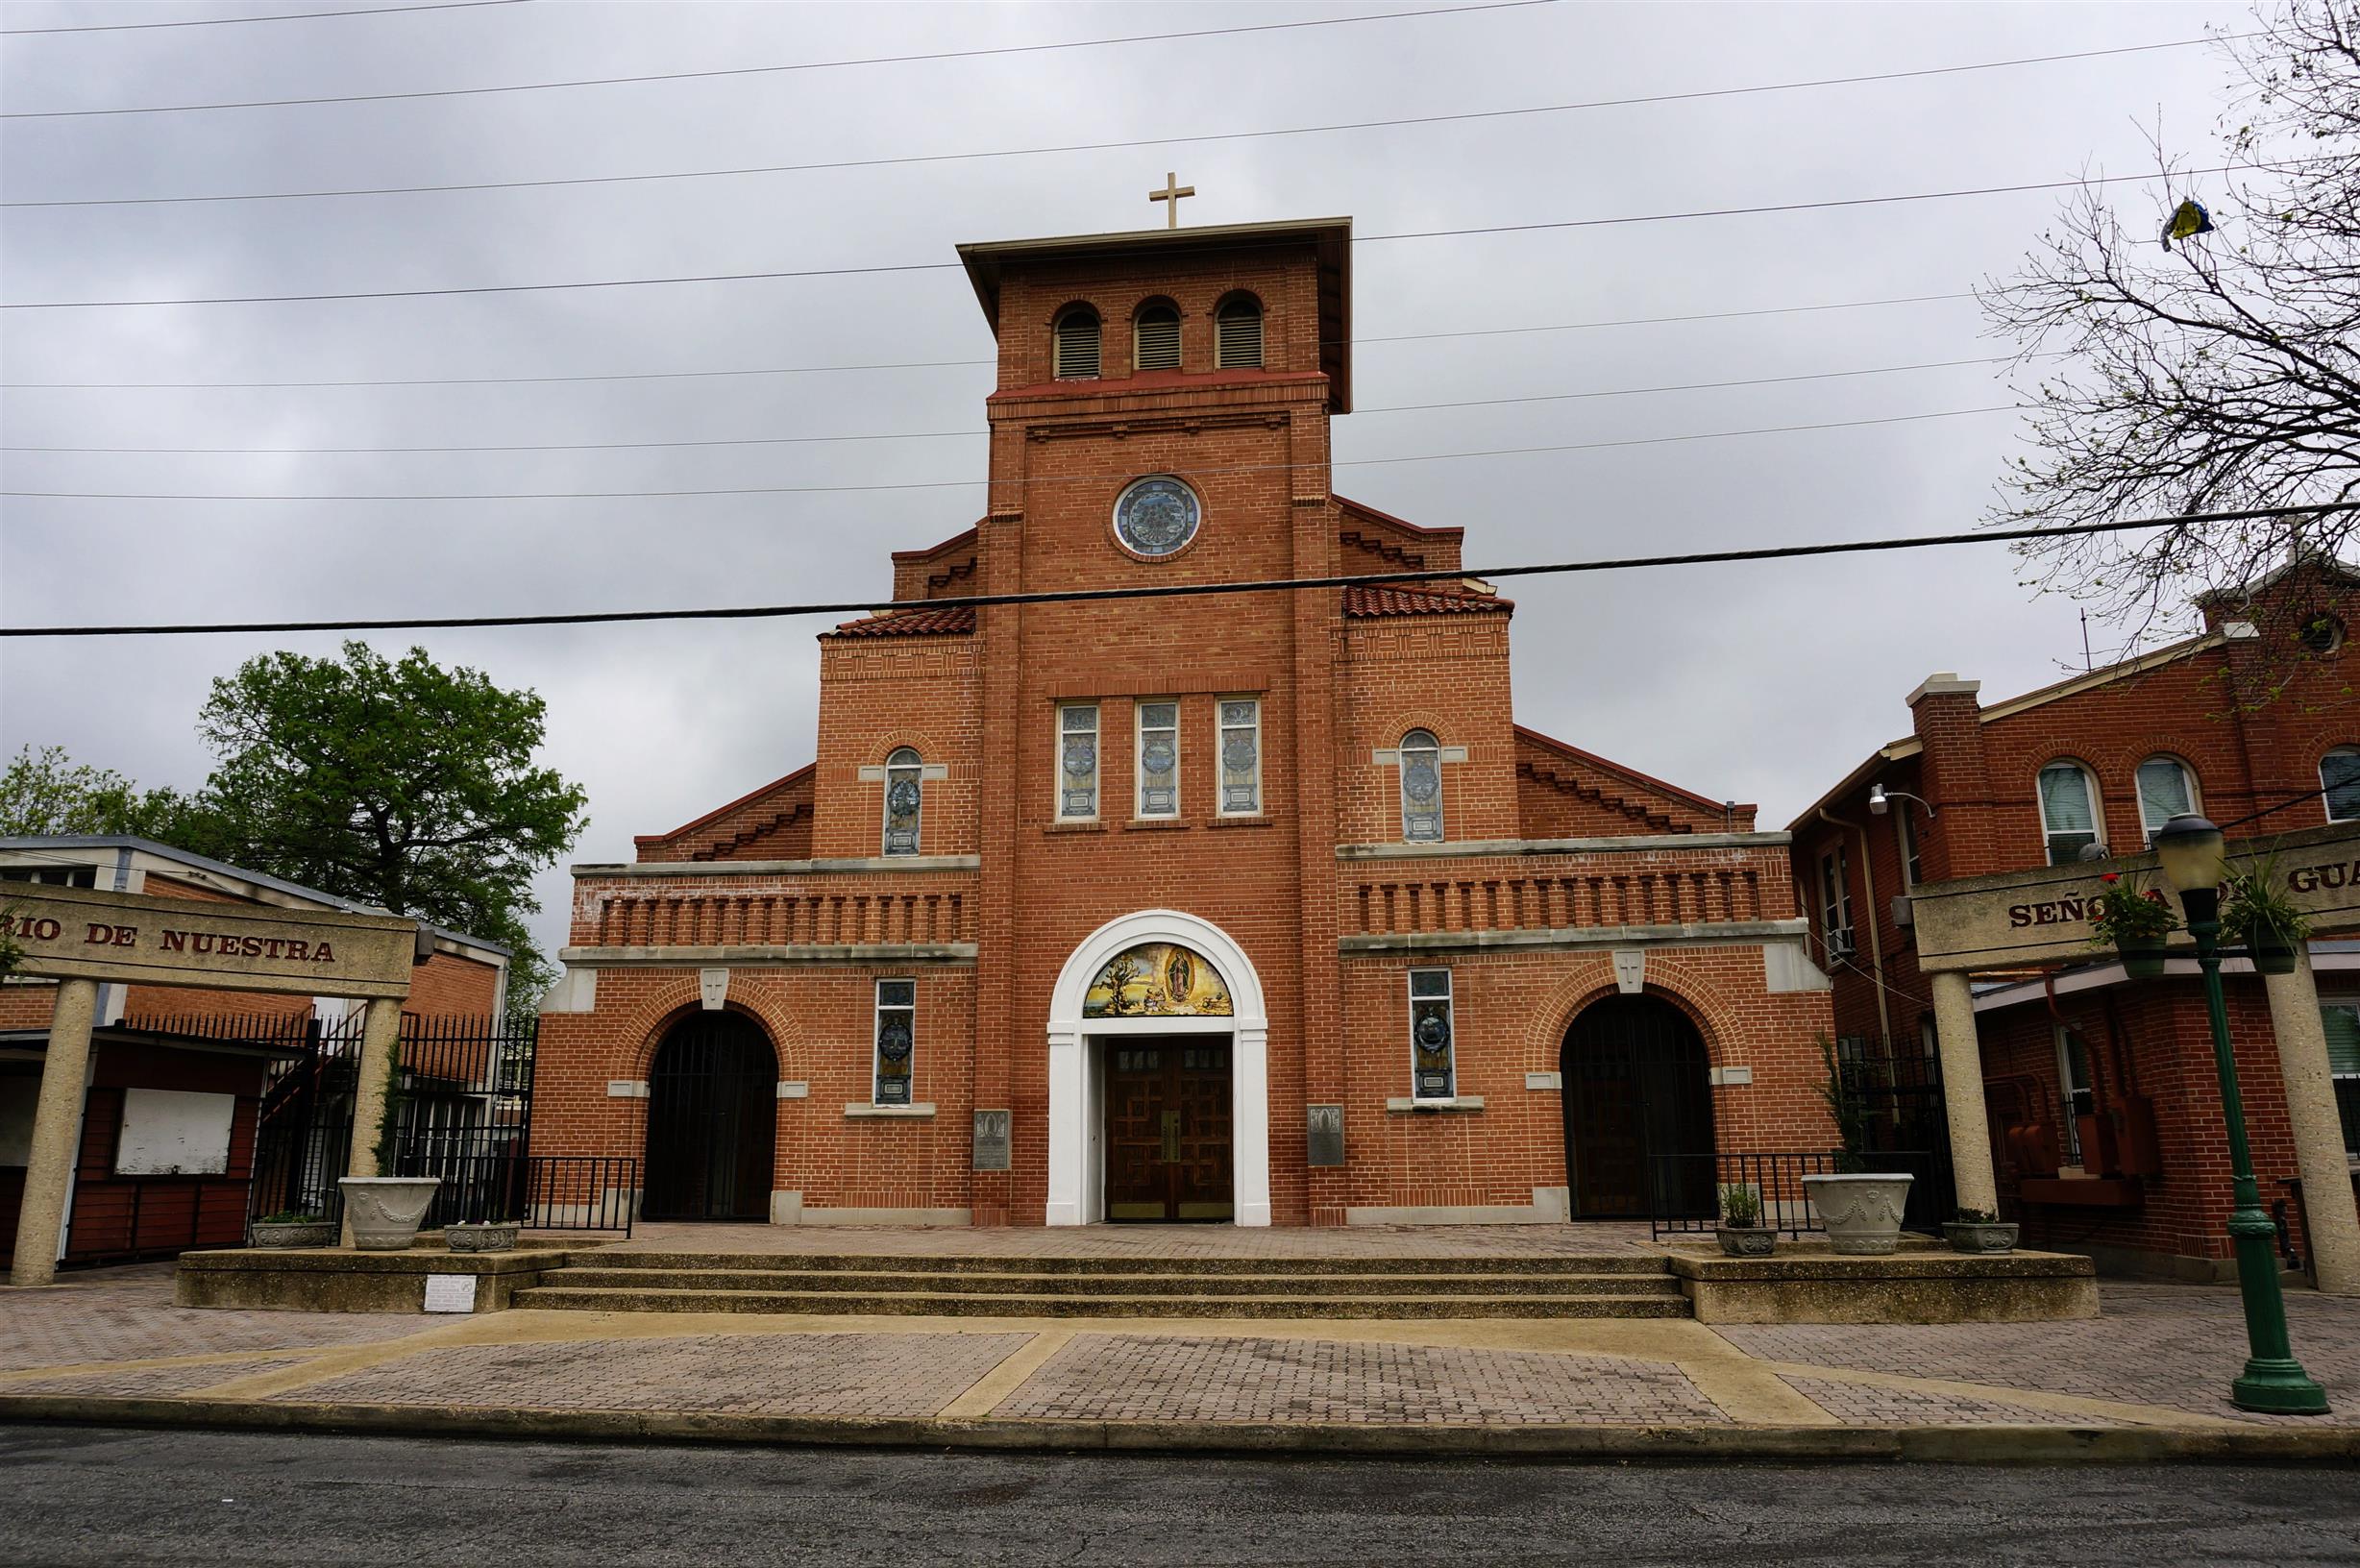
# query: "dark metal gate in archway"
{"points": [[1637, 1082], [712, 1120]]}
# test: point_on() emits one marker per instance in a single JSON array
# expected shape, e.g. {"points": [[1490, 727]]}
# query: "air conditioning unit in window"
{"points": [[1901, 912]]}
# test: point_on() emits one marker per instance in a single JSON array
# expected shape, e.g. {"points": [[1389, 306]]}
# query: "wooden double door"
{"points": [[1168, 1154]]}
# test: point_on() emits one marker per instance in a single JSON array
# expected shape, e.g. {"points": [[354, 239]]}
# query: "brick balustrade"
{"points": [[1525, 888]]}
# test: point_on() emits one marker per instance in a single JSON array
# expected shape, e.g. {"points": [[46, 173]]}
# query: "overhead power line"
{"points": [[773, 70], [235, 21], [934, 435], [937, 364], [961, 484], [1201, 139], [949, 266], [1189, 590]]}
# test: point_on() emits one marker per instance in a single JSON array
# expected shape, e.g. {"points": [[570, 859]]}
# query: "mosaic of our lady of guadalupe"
{"points": [[1157, 979]]}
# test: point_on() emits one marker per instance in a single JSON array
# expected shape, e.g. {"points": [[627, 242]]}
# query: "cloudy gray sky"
{"points": [[1763, 682]]}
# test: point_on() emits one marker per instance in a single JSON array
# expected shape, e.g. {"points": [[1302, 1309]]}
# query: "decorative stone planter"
{"points": [[2141, 956], [1747, 1240], [1973, 1236], [385, 1210], [498, 1235], [277, 1233], [1862, 1213]]}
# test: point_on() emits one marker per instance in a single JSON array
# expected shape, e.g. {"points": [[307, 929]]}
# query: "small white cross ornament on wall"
{"points": [[1171, 192]]}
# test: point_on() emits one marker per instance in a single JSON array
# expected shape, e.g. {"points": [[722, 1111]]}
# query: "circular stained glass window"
{"points": [[1156, 516]]}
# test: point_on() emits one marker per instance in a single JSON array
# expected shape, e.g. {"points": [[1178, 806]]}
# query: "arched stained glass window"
{"points": [[1421, 787], [904, 802]]}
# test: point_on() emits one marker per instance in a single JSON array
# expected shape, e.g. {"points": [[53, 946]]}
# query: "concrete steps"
{"points": [[1316, 1287]]}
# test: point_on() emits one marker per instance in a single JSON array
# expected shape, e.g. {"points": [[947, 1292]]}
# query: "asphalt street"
{"points": [[119, 1497]]}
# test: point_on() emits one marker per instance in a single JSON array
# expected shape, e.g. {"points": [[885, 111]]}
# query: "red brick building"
{"points": [[182, 1080], [1254, 906], [2102, 1100]]}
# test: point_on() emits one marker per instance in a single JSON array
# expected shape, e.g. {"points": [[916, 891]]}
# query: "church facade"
{"points": [[1255, 907]]}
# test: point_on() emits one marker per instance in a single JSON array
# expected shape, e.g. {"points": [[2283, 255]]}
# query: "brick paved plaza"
{"points": [[2161, 1355]]}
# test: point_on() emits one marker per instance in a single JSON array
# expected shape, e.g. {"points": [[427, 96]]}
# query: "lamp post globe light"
{"points": [[2189, 851]]}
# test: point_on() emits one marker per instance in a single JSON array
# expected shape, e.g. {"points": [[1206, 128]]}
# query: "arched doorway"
{"points": [[1636, 1083], [712, 1120]]}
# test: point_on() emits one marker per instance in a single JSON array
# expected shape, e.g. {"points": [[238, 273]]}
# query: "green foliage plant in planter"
{"points": [[289, 1229], [2255, 916], [2134, 920], [483, 1236], [1742, 1232], [1977, 1231], [1860, 1208]]}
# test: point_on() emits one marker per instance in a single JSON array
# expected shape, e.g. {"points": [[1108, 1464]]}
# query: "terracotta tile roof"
{"points": [[1379, 600], [957, 622]]}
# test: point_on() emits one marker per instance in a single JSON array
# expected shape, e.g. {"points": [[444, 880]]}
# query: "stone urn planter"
{"points": [[1861, 1212], [1747, 1240], [493, 1235], [307, 1230], [1976, 1236], [385, 1210]]}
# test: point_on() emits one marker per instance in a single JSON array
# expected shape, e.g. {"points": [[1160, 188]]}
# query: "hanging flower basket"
{"points": [[2134, 920], [2260, 919], [2273, 953], [2141, 956]]}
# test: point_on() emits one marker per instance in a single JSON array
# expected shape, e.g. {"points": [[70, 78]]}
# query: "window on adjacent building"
{"points": [[1421, 787], [2077, 1098], [54, 876], [2339, 774], [1904, 833], [1236, 334], [1835, 904], [2166, 789], [1159, 759], [1240, 756], [1077, 346], [2342, 1017], [1433, 1069], [2068, 811], [1155, 339], [1077, 761], [904, 799], [896, 1039]]}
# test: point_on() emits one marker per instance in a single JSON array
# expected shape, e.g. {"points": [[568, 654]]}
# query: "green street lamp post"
{"points": [[2190, 850]]}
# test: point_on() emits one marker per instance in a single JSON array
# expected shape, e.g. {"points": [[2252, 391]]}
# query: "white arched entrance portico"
{"points": [[1077, 1162]]}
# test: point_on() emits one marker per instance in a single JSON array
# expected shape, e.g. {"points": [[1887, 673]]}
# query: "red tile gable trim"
{"points": [[1576, 754], [719, 811]]}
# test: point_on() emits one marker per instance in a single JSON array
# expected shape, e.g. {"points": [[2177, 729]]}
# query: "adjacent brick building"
{"points": [[184, 1082], [2104, 1107], [1247, 906]]}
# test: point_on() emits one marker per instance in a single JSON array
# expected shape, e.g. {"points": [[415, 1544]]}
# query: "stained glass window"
{"points": [[1159, 759], [896, 1039], [1157, 515], [2068, 811], [1077, 761], [1240, 756], [1433, 1069], [904, 799], [1421, 787]]}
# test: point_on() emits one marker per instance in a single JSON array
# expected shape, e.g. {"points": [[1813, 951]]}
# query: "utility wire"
{"points": [[771, 71], [951, 266], [933, 364], [933, 435], [234, 21], [1092, 596], [961, 484], [1202, 139]]}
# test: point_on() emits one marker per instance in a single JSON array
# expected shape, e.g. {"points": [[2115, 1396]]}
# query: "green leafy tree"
{"points": [[401, 783], [46, 792]]}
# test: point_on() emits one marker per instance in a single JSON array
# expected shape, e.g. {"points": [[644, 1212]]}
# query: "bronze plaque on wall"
{"points": [[1324, 1133], [992, 1140]]}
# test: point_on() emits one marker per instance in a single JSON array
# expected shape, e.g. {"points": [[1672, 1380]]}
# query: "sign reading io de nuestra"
{"points": [[2043, 916], [76, 934]]}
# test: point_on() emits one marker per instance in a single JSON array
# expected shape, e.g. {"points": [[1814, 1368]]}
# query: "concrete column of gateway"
{"points": [[381, 1044], [1963, 1091], [57, 1128], [2332, 1216]]}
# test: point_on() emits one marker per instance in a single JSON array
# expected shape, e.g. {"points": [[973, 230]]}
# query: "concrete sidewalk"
{"points": [[2145, 1381]]}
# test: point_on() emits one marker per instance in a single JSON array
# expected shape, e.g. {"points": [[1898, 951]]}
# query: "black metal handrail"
{"points": [[1683, 1191]]}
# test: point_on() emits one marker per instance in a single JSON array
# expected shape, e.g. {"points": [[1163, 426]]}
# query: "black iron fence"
{"points": [[544, 1192], [1683, 1191]]}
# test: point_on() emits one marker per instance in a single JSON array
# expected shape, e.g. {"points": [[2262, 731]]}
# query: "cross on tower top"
{"points": [[1171, 192]]}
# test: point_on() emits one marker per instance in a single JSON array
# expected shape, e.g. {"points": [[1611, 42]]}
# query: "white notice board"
{"points": [[170, 1132]]}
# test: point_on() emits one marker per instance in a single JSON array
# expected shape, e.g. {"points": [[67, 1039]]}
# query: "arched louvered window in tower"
{"points": [[1077, 346], [1155, 339], [1236, 334]]}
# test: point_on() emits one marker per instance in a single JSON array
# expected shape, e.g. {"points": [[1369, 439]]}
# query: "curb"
{"points": [[1920, 1445]]}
